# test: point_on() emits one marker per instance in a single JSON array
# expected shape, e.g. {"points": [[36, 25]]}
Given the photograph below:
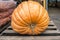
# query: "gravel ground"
{"points": [[55, 16]]}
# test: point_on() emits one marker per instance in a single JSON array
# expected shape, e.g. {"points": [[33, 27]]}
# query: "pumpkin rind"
{"points": [[29, 18]]}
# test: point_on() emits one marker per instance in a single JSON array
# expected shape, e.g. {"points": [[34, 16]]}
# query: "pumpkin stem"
{"points": [[32, 27]]}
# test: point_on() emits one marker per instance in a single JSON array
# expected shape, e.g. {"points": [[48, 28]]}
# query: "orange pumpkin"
{"points": [[30, 18]]}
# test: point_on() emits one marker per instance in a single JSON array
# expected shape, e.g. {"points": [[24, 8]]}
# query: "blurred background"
{"points": [[52, 6], [54, 11]]}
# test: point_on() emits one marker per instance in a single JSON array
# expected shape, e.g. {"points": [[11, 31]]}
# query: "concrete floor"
{"points": [[55, 16]]}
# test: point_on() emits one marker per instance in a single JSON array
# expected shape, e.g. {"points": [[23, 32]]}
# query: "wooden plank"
{"points": [[9, 27], [29, 37], [4, 27], [51, 23], [8, 31], [50, 31], [52, 28]]}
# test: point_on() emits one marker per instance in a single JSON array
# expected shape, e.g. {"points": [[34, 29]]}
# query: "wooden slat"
{"points": [[4, 27], [8, 31], [52, 28], [9, 27], [50, 31], [30, 37], [51, 23]]}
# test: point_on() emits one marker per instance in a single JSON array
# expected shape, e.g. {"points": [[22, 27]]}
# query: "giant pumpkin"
{"points": [[30, 18]]}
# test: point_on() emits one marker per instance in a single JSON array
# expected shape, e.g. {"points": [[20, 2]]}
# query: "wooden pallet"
{"points": [[50, 31]]}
